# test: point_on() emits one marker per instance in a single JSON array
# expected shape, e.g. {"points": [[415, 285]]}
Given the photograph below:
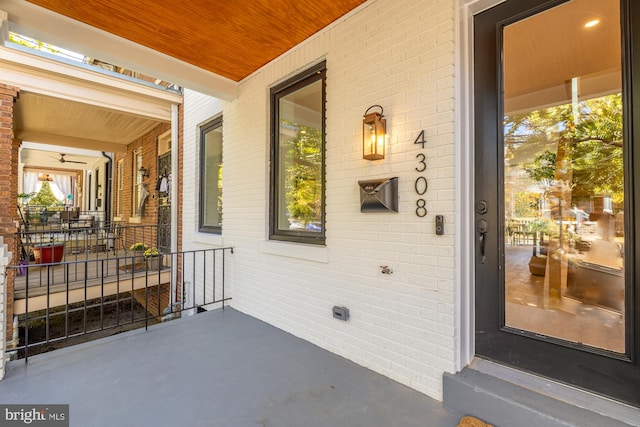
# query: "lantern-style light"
{"points": [[374, 131]]}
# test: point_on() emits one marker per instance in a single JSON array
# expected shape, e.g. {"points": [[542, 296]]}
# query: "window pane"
{"points": [[211, 212], [137, 190], [300, 158], [120, 187], [563, 170]]}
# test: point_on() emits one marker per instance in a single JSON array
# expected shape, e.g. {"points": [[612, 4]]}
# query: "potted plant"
{"points": [[24, 197], [48, 252], [138, 252], [154, 260]]}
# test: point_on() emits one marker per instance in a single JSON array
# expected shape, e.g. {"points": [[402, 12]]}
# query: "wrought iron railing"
{"points": [[106, 298], [42, 217], [79, 241]]}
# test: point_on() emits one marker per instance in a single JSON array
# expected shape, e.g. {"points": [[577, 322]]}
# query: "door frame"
{"points": [[465, 180]]}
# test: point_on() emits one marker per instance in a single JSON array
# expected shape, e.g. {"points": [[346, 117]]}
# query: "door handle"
{"points": [[481, 228]]}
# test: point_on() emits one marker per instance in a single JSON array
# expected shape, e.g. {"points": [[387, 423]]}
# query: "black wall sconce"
{"points": [[143, 172], [374, 131]]}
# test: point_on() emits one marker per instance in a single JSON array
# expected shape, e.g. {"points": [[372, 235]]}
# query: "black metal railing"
{"points": [[62, 311], [42, 217], [72, 242]]}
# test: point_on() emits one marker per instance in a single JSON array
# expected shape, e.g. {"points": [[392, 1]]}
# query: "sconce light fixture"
{"points": [[374, 131], [45, 177], [143, 172]]}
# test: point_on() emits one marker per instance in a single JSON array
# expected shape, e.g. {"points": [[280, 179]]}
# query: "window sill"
{"points": [[135, 220], [208, 239], [296, 250]]}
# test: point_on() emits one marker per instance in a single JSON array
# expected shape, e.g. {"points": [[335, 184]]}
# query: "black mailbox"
{"points": [[379, 195]]}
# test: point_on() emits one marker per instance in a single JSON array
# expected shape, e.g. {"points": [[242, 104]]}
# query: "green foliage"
{"points": [[526, 204], [303, 175], [32, 43], [139, 246], [45, 196], [593, 144], [598, 154], [24, 197], [151, 253], [543, 167]]}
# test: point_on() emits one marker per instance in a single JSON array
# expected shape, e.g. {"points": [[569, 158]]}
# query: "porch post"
{"points": [[8, 200], [175, 202], [5, 258]]}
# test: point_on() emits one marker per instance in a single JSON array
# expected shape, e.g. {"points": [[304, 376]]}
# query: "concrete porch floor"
{"points": [[221, 368]]}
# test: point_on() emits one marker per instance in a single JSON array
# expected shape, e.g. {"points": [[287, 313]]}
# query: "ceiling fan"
{"points": [[63, 160]]}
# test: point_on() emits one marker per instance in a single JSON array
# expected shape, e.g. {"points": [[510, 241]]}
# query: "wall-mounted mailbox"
{"points": [[379, 195]]}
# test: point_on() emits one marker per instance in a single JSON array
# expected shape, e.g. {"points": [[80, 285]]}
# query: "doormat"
{"points": [[472, 422]]}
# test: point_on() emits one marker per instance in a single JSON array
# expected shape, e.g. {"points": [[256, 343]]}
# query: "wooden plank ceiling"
{"points": [[231, 38]]}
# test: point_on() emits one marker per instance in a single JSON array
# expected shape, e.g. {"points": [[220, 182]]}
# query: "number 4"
{"points": [[420, 139]]}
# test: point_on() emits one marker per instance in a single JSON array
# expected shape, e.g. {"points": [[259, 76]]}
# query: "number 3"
{"points": [[422, 162]]}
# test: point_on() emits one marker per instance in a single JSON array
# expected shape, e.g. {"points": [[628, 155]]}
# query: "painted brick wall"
{"points": [[399, 54], [198, 110], [149, 147]]}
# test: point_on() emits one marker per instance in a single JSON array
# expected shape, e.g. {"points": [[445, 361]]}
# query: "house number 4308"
{"points": [[421, 183]]}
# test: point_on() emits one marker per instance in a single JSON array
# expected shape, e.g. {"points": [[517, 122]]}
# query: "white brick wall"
{"points": [[399, 54]]}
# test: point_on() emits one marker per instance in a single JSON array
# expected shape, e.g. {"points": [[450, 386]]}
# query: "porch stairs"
{"points": [[505, 397]]}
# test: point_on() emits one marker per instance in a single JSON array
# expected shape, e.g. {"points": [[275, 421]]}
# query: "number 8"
{"points": [[421, 210]]}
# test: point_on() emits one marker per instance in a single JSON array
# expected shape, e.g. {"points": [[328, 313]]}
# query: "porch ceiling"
{"points": [[49, 120], [229, 38]]}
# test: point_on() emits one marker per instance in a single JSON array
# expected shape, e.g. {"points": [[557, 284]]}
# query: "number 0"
{"points": [[421, 185]]}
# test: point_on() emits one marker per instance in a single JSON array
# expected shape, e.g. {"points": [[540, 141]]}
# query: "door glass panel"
{"points": [[563, 174]]}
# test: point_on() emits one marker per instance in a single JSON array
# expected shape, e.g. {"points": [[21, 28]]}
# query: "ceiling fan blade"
{"points": [[73, 161]]}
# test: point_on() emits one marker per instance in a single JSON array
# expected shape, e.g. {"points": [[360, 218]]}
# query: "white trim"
{"points": [[465, 178], [176, 177], [296, 250], [5, 259], [56, 79], [465, 318], [208, 239]]}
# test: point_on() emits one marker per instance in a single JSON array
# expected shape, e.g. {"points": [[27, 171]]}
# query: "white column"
{"points": [[174, 196], [5, 258], [4, 27]]}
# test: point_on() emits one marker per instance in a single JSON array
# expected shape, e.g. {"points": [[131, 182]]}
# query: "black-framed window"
{"points": [[298, 158], [210, 215]]}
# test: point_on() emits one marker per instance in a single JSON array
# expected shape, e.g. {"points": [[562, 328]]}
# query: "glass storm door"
{"points": [[555, 290]]}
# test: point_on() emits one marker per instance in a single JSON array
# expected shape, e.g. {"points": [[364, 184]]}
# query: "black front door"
{"points": [[555, 249]]}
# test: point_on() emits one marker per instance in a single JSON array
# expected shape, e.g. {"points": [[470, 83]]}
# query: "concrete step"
{"points": [[505, 397]]}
